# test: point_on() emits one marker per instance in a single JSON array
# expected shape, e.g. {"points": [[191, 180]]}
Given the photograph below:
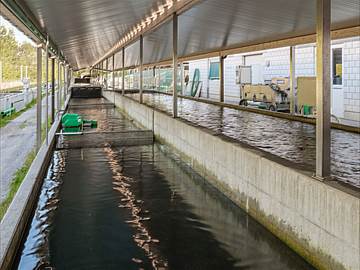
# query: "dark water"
{"points": [[287, 139], [140, 208], [108, 118]]}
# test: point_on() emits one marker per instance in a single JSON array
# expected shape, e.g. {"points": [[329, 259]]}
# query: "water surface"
{"points": [[291, 140], [139, 208]]}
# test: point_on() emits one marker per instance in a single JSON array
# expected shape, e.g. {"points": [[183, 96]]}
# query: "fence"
{"points": [[18, 100]]}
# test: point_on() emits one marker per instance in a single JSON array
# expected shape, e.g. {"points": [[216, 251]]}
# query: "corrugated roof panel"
{"points": [[118, 60], [132, 54], [86, 29], [158, 44], [216, 24]]}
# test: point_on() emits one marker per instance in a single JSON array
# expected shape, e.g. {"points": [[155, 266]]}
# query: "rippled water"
{"points": [[101, 110], [141, 207], [294, 141], [138, 208]]}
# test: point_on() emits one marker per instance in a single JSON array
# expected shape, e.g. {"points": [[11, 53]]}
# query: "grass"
{"points": [[5, 120], [20, 175], [16, 182]]}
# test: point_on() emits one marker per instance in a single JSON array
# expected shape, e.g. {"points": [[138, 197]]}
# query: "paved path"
{"points": [[17, 139]]}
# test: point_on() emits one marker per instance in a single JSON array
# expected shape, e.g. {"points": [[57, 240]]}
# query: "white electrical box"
{"points": [[243, 75]]}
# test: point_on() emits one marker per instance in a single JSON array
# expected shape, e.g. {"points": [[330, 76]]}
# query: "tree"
{"points": [[14, 55]]}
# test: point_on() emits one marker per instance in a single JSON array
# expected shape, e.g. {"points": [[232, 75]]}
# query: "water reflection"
{"points": [[35, 252], [137, 208], [287, 139]]}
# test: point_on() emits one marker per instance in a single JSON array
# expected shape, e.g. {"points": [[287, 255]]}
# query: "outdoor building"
{"points": [[265, 65]]}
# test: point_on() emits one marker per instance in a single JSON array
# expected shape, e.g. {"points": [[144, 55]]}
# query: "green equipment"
{"points": [[195, 82], [307, 110], [72, 122], [7, 112]]}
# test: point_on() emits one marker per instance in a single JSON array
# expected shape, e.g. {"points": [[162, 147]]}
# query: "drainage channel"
{"points": [[115, 206]]}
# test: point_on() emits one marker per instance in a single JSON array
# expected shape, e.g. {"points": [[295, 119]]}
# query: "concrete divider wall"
{"points": [[319, 221]]}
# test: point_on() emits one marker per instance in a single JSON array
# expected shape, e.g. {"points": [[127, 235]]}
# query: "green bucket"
{"points": [[307, 110]]}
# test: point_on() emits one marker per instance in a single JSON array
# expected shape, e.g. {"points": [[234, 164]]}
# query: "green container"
{"points": [[71, 120], [307, 110]]}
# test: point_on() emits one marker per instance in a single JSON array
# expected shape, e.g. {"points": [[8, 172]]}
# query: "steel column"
{"points": [[175, 63], [123, 71], [107, 73], [47, 91], [38, 96], [292, 80], [58, 103], [141, 69], [182, 77], [65, 81], [101, 74], [113, 72], [52, 90], [221, 75], [323, 139]]}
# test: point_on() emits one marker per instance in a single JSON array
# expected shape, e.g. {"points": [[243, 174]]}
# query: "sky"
{"points": [[19, 36]]}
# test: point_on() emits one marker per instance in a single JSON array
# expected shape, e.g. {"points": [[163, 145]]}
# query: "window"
{"points": [[337, 66], [214, 71]]}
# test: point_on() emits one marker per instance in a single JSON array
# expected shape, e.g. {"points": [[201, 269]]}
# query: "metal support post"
{"points": [[221, 75], [113, 75], [123, 71], [175, 63], [113, 72], [65, 82], [292, 80], [58, 104], [107, 74], [47, 91], [323, 139], [38, 96], [52, 90], [182, 77], [141, 69], [159, 80]]}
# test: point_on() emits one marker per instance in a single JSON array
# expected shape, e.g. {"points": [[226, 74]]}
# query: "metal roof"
{"points": [[86, 29], [222, 24], [158, 44]]}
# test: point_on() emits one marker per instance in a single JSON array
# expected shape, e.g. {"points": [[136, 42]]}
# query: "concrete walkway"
{"points": [[17, 139]]}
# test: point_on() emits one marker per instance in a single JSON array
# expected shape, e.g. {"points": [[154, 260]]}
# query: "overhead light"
{"points": [[169, 3], [154, 16], [161, 10]]}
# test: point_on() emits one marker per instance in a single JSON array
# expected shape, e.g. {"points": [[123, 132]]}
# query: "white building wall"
{"points": [[305, 61], [351, 79], [277, 64], [202, 65], [231, 89]]}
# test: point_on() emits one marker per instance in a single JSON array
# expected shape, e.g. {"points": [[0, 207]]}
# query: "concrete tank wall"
{"points": [[319, 221]]}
